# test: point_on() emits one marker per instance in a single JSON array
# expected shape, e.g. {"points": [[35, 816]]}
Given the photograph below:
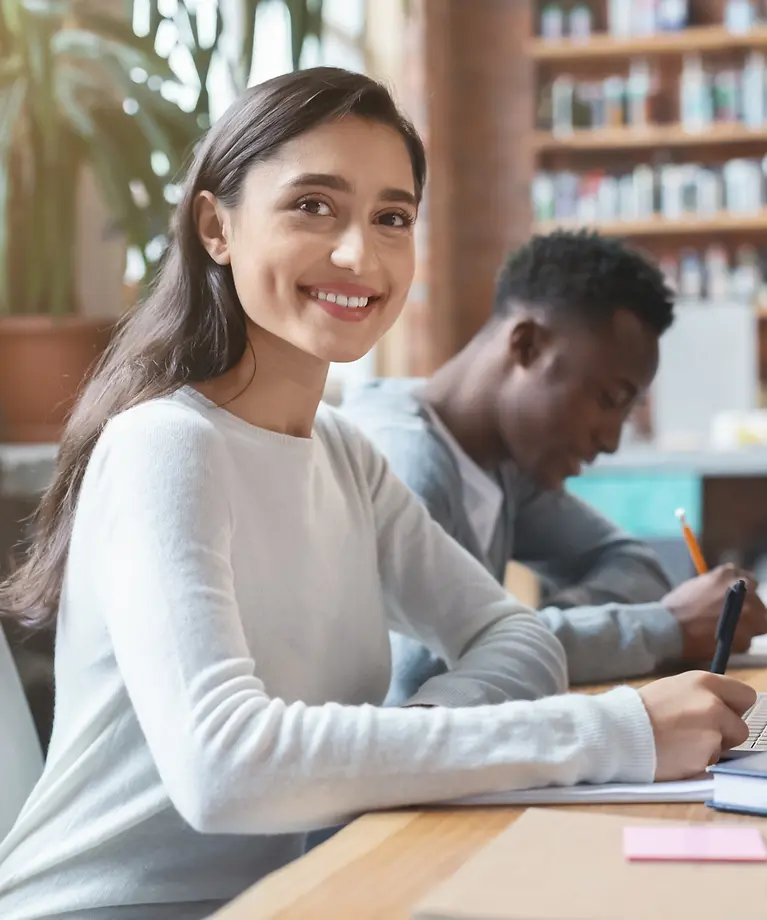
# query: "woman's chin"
{"points": [[339, 349], [341, 355]]}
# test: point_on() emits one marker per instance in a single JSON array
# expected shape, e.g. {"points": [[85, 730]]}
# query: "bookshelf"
{"points": [[680, 168], [646, 136], [651, 136], [600, 46], [661, 227]]}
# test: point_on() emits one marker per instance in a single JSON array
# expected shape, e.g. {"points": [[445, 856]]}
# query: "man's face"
{"points": [[569, 391]]}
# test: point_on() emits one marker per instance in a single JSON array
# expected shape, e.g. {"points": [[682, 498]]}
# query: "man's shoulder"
{"points": [[384, 399], [390, 413], [516, 485]]}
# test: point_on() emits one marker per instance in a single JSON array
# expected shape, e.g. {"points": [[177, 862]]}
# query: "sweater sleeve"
{"points": [[583, 559], [601, 588], [495, 648], [234, 760], [611, 641]]}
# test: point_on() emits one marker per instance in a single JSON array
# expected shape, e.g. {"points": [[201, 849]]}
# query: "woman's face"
{"points": [[321, 243]]}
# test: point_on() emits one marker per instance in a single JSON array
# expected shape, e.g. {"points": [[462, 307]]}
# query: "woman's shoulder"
{"points": [[167, 425]]}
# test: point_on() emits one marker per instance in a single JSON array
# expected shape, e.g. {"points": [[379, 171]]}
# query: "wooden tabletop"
{"points": [[381, 865]]}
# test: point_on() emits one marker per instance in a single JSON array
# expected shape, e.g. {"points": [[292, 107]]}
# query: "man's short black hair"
{"points": [[583, 273]]}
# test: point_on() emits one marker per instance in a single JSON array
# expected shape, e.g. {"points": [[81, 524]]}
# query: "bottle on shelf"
{"points": [[753, 90], [672, 15], [562, 91], [743, 181], [739, 15], [717, 272], [746, 275], [619, 18], [638, 94], [643, 17], [694, 95], [690, 275], [580, 22], [614, 95], [552, 21], [726, 96]]}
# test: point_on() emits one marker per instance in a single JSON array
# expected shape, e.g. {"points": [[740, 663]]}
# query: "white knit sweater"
{"points": [[221, 651]]}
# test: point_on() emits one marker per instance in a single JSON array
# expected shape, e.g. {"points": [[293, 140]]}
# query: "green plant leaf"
{"points": [[299, 27], [62, 183], [12, 18], [88, 45], [117, 29], [69, 86], [244, 60], [11, 69], [156, 114], [129, 159], [46, 9], [11, 105]]}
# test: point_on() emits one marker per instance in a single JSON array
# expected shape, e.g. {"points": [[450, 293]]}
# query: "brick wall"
{"points": [[467, 84]]}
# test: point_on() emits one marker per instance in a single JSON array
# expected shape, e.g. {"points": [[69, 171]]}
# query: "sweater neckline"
{"points": [[254, 432]]}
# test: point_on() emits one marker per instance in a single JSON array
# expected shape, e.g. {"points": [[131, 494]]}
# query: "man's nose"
{"points": [[609, 437]]}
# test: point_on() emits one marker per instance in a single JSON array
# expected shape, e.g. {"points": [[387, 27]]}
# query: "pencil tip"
{"points": [[680, 513]]}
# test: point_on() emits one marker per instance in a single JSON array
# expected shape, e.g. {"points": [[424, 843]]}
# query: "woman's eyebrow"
{"points": [[339, 184]]}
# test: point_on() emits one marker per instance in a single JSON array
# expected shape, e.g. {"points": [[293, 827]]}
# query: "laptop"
{"points": [[756, 719]]}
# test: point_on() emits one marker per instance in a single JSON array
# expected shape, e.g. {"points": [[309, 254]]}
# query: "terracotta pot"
{"points": [[43, 361]]}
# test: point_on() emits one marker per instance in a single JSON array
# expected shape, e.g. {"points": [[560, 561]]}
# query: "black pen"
{"points": [[728, 623]]}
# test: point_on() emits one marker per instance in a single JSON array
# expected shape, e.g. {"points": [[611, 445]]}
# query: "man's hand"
{"points": [[697, 604]]}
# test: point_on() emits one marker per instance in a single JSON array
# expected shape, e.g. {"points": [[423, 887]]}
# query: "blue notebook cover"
{"points": [[751, 765], [739, 810]]}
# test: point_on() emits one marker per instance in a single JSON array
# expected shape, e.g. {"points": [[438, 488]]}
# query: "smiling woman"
{"points": [[226, 558], [253, 229], [343, 228]]}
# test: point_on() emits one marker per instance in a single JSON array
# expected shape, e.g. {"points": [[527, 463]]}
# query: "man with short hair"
{"points": [[489, 440]]}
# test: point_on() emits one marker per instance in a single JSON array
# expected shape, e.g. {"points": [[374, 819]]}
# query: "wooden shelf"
{"points": [[694, 39], [648, 137], [657, 226]]}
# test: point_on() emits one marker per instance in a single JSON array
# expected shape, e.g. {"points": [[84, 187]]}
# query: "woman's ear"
{"points": [[212, 223], [527, 341]]}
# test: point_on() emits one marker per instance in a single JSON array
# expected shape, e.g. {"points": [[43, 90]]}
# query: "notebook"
{"points": [[696, 790], [582, 852], [741, 785]]}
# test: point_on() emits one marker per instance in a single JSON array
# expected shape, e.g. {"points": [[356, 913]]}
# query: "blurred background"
{"points": [[646, 119]]}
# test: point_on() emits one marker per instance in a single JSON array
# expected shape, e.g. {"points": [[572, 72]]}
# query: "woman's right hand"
{"points": [[695, 716]]}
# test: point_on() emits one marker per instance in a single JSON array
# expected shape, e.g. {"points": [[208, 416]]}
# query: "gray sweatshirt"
{"points": [[600, 587]]}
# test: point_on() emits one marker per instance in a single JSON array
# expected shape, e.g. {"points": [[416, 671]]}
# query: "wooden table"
{"points": [[382, 864]]}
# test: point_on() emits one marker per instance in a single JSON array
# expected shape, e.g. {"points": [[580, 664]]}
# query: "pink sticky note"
{"points": [[695, 843]]}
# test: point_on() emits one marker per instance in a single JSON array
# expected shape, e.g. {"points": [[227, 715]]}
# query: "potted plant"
{"points": [[78, 90]]}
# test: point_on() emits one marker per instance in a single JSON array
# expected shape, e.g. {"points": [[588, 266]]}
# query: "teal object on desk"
{"points": [[644, 504]]}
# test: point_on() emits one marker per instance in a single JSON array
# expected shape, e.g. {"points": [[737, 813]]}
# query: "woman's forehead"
{"points": [[361, 152]]}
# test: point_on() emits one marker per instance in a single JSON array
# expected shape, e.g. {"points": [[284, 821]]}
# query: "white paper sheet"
{"points": [[755, 657], [697, 790]]}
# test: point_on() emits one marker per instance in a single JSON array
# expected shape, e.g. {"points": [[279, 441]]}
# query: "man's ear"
{"points": [[527, 341], [212, 225]]}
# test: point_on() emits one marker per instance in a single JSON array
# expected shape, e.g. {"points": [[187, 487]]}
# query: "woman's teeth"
{"points": [[341, 299]]}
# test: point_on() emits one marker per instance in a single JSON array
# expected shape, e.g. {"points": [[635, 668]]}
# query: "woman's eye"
{"points": [[315, 207], [396, 219]]}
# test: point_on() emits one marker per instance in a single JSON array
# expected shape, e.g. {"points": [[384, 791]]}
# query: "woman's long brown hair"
{"points": [[191, 327]]}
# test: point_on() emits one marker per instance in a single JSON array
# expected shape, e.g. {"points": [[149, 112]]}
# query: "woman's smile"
{"points": [[351, 303]]}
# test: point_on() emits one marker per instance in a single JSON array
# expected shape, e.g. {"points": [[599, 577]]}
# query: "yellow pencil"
{"points": [[692, 544]]}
